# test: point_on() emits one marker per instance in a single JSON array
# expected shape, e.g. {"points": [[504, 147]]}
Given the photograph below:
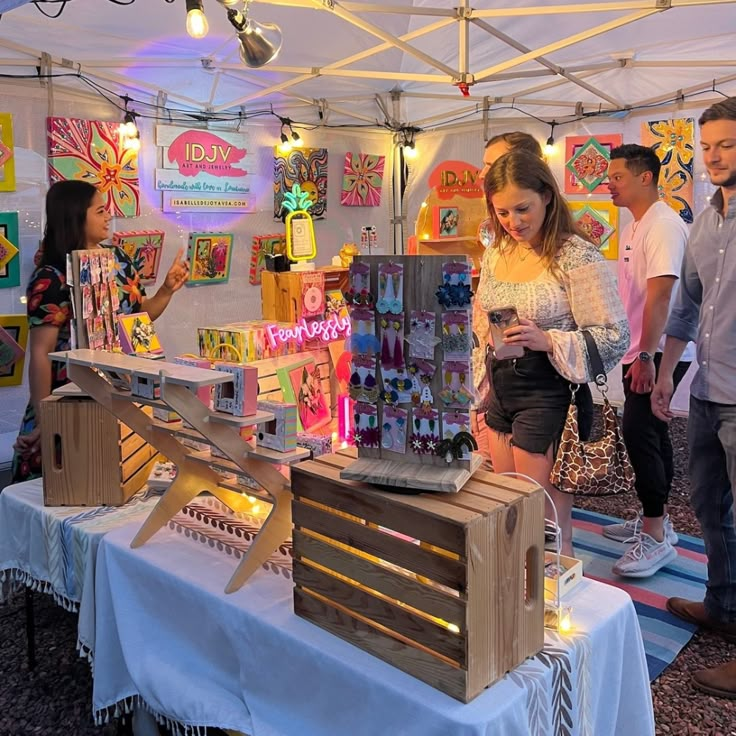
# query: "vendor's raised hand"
{"points": [[528, 335], [178, 274]]}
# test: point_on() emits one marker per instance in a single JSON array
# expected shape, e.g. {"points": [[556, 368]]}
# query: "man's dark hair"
{"points": [[638, 159], [724, 110]]}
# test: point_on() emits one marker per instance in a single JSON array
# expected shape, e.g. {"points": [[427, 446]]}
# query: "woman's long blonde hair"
{"points": [[526, 171]]}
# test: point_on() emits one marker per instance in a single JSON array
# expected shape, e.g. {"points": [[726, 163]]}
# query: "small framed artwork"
{"points": [[599, 221], [10, 262], [586, 162], [301, 384], [445, 222], [143, 247], [7, 153], [209, 257], [138, 336], [13, 341]]}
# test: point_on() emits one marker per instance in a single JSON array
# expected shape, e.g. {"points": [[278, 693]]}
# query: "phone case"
{"points": [[499, 320]]}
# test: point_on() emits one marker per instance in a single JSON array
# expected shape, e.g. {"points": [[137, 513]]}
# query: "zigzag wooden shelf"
{"points": [[178, 384]]}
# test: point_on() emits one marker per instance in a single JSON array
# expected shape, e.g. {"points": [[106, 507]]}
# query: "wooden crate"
{"points": [[457, 610], [281, 293], [90, 458]]}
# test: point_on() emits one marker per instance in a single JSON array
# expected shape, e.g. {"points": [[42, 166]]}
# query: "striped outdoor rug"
{"points": [[664, 634]]}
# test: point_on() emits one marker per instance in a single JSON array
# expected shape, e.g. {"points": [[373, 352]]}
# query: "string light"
{"points": [[130, 136], [549, 146], [197, 26], [289, 137]]}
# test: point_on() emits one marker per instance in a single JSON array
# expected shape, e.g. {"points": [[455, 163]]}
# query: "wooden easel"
{"points": [[197, 471]]}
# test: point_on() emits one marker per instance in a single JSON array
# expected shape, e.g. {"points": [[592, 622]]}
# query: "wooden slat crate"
{"points": [[89, 457], [281, 293], [452, 594]]}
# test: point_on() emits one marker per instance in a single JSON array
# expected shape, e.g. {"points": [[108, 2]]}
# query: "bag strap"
{"points": [[596, 364]]}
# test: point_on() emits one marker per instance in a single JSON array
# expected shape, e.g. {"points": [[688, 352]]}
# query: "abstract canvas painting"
{"points": [[306, 167], [674, 143], [362, 180], [586, 162], [599, 221], [7, 153], [10, 261], [93, 151], [262, 246]]}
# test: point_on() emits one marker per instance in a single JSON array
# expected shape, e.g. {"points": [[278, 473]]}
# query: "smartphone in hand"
{"points": [[500, 320]]}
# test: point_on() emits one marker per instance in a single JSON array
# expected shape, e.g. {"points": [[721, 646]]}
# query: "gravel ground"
{"points": [[55, 699]]}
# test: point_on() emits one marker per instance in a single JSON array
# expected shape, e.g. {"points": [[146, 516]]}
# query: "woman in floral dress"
{"points": [[76, 219]]}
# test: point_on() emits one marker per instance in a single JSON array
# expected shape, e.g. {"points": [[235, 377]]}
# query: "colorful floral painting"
{"points": [[92, 151], [143, 247], [7, 153], [306, 167], [586, 162], [362, 180], [599, 221], [674, 143]]}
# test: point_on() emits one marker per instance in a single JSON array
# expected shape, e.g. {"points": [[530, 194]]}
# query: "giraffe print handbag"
{"points": [[598, 468]]}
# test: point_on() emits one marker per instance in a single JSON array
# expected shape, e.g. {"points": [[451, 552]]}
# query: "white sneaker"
{"points": [[626, 530], [645, 557]]}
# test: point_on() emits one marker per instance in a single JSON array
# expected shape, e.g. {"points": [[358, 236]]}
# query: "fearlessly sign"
{"points": [[327, 330]]}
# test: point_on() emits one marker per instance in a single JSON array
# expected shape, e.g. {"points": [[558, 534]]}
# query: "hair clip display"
{"points": [[425, 437], [362, 385], [393, 434], [456, 335], [365, 427], [390, 288], [454, 292], [422, 340], [359, 294], [392, 339], [455, 391]]}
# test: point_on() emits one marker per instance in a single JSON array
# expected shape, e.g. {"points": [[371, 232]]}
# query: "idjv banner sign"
{"points": [[203, 169]]}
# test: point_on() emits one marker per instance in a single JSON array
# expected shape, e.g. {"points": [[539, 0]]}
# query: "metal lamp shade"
{"points": [[259, 43]]}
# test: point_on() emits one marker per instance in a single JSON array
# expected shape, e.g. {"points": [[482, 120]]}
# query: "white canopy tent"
{"points": [[398, 65]]}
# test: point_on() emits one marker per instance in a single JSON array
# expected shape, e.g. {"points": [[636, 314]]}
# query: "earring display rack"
{"points": [[196, 471], [421, 278]]}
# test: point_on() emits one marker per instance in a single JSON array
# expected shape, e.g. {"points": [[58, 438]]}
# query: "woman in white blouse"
{"points": [[559, 284]]}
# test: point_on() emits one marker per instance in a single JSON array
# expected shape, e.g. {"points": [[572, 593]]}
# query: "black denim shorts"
{"points": [[529, 399]]}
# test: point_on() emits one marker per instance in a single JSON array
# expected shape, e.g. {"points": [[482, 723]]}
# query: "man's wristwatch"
{"points": [[645, 357]]}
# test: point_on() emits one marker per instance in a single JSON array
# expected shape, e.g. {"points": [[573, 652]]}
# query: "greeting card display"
{"points": [[410, 375]]}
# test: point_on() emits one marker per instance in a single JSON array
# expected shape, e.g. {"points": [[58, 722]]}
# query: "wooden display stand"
{"points": [[281, 293], [197, 471], [456, 611], [462, 246], [422, 276], [89, 457]]}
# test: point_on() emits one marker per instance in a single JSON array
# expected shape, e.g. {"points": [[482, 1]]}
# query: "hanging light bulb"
{"points": [[296, 138], [549, 146], [197, 25], [285, 146], [128, 128]]}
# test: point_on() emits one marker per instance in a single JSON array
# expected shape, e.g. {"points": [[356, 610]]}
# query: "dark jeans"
{"points": [[648, 443], [711, 435], [529, 399]]}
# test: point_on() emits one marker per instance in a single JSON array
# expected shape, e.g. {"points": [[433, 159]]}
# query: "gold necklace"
{"points": [[526, 255]]}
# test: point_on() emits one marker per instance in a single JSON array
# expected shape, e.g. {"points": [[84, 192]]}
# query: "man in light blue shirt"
{"points": [[705, 311]]}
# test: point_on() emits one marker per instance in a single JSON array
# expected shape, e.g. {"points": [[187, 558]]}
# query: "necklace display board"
{"points": [[411, 371]]}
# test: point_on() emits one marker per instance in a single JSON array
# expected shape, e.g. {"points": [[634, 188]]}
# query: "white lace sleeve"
{"points": [[596, 307]]}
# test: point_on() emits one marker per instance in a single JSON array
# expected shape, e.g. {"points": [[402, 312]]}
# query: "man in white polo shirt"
{"points": [[652, 249]]}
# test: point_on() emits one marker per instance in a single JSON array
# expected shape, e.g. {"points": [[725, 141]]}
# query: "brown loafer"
{"points": [[694, 613], [718, 681]]}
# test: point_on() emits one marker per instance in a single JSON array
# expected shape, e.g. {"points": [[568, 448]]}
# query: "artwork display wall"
{"points": [[306, 167]]}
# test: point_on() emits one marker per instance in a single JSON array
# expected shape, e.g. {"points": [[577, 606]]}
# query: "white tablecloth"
{"points": [[167, 635]]}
